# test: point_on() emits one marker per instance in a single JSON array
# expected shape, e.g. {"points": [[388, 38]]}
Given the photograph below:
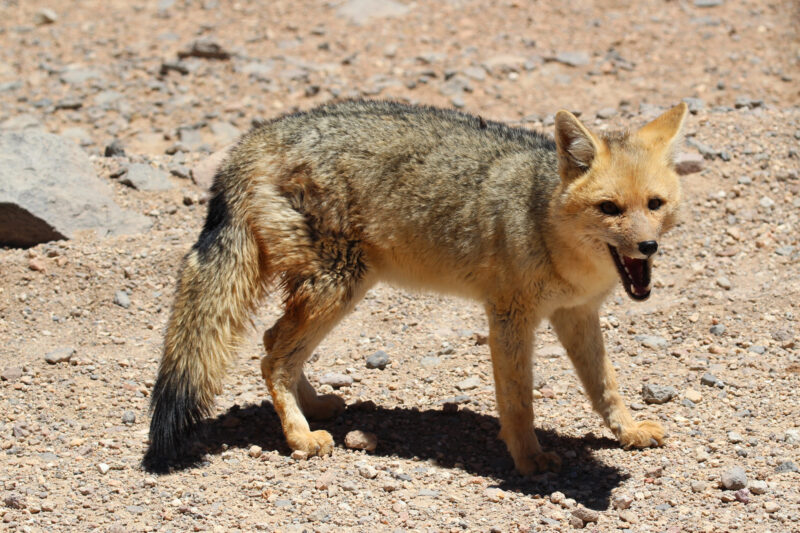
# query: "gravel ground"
{"points": [[714, 354]]}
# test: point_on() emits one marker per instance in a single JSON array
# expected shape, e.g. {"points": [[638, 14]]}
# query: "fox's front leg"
{"points": [[578, 329], [511, 343]]}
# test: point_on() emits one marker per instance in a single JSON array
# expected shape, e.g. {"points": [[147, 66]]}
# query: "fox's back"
{"points": [[409, 180]]}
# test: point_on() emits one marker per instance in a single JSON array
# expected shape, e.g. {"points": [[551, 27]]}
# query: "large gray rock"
{"points": [[49, 189]]}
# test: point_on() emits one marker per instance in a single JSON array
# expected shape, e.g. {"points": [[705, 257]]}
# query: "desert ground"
{"points": [[154, 88]]}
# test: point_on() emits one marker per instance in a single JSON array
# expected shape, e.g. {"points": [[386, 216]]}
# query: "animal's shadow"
{"points": [[462, 439]]}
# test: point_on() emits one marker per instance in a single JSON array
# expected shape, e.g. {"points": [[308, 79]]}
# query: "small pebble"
{"points": [[725, 283], [771, 507], [361, 440], [734, 478], [586, 515], [378, 360], [37, 264], [621, 500], [254, 451], [711, 380], [299, 455], [786, 466], [103, 468], [693, 396], [45, 16], [61, 355], [367, 471], [758, 487], [128, 417], [717, 329], [699, 486], [734, 437], [122, 299], [657, 394], [336, 380], [469, 383], [576, 522]]}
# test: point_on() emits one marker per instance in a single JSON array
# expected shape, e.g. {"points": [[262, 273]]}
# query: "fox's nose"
{"points": [[648, 248]]}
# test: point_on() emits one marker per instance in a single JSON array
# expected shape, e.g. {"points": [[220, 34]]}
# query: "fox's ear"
{"points": [[576, 146], [664, 133]]}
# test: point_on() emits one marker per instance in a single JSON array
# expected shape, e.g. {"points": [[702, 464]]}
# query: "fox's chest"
{"points": [[579, 285]]}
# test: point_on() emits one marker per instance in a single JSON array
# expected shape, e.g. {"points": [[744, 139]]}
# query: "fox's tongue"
{"points": [[638, 272]]}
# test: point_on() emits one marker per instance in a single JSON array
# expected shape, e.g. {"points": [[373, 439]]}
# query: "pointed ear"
{"points": [[664, 133], [576, 146]]}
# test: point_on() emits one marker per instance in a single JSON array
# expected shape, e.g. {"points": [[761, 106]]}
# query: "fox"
{"points": [[319, 206]]}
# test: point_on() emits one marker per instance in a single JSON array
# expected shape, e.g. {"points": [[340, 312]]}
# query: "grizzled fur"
{"points": [[322, 205]]}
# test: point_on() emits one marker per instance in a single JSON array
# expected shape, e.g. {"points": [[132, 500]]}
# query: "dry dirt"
{"points": [[72, 434]]}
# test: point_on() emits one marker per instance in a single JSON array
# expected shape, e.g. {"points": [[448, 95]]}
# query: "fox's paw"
{"points": [[642, 435], [312, 442], [324, 407], [537, 463]]}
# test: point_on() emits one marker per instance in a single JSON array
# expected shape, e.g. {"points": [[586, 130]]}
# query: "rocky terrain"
{"points": [[109, 112]]}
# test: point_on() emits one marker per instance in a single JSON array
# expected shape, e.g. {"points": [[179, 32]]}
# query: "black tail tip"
{"points": [[176, 413]]}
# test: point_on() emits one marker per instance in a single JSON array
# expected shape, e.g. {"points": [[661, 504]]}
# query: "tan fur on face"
{"points": [[628, 170]]}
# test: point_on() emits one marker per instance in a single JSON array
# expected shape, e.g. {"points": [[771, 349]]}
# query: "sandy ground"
{"points": [[720, 328]]}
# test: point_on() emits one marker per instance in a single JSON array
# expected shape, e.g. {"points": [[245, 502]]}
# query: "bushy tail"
{"points": [[219, 285]]}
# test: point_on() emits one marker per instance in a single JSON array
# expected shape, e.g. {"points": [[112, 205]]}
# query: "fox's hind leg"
{"points": [[316, 302], [578, 329]]}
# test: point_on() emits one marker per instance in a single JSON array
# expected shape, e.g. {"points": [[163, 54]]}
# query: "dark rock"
{"points": [[711, 380], [49, 189], [173, 66], [786, 466]]}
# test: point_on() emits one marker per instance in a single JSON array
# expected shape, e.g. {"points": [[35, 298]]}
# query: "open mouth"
{"points": [[634, 274]]}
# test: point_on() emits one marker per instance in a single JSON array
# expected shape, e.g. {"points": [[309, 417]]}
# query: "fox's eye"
{"points": [[654, 204], [610, 208]]}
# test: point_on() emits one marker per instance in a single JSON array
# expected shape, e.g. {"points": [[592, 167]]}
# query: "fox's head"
{"points": [[620, 191]]}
